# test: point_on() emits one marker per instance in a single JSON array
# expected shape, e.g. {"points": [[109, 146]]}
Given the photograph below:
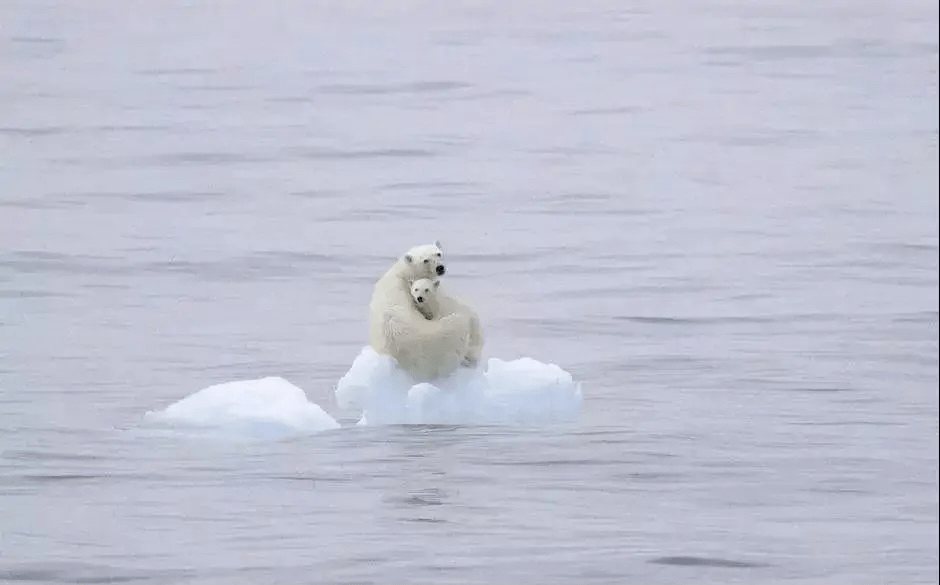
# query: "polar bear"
{"points": [[427, 350], [424, 292], [434, 304]]}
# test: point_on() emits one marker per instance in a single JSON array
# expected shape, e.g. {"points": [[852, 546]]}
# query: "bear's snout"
{"points": [[440, 270], [420, 299]]}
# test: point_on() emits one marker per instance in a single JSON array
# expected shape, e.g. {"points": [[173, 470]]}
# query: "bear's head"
{"points": [[424, 289], [425, 261]]}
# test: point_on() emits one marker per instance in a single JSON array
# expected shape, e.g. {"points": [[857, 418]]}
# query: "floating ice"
{"points": [[267, 407], [522, 391]]}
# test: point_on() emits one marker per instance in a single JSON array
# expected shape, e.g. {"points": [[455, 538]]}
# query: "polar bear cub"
{"points": [[426, 350], [424, 292], [433, 303]]}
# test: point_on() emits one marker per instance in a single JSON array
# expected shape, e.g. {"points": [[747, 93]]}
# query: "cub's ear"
{"points": [[437, 283], [438, 244], [409, 259]]}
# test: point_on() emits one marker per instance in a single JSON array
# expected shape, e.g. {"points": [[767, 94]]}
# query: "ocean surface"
{"points": [[720, 216]]}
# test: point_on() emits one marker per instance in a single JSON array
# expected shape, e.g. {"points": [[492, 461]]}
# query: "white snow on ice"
{"points": [[522, 391], [263, 407]]}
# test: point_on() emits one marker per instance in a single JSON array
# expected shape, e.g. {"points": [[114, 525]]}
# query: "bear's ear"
{"points": [[437, 283], [438, 244], [409, 259]]}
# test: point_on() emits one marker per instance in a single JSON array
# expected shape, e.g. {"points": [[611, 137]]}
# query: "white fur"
{"points": [[435, 303], [427, 350], [424, 293]]}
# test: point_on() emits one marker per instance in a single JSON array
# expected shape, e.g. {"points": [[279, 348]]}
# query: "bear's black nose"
{"points": [[440, 270], [420, 299]]}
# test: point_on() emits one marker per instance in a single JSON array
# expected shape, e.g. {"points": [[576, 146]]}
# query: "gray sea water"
{"points": [[720, 216]]}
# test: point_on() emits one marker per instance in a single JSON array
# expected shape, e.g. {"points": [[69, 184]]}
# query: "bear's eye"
{"points": [[426, 260], [438, 254]]}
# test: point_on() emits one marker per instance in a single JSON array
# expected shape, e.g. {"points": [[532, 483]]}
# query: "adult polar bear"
{"points": [[427, 350]]}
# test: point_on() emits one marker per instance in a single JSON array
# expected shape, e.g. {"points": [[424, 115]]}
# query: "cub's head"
{"points": [[423, 290], [425, 261]]}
